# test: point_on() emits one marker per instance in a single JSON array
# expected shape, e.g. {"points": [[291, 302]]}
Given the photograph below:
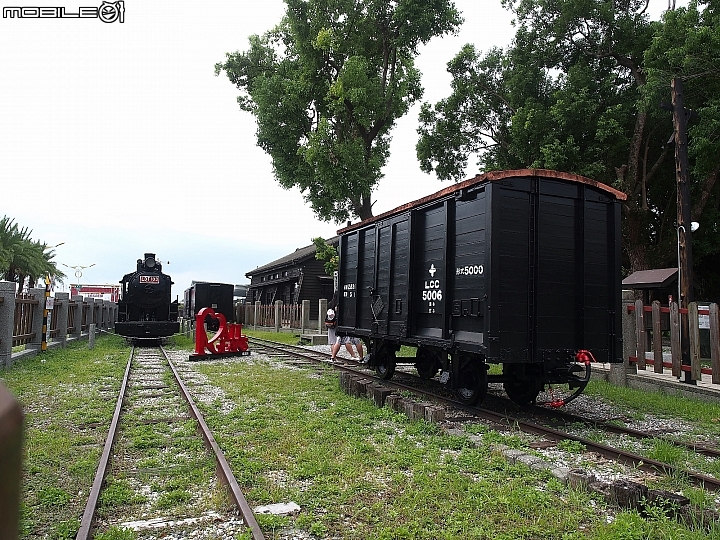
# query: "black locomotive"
{"points": [[145, 309], [516, 268]]}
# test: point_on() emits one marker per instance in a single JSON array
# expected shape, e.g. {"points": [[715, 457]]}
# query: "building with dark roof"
{"points": [[293, 278]]}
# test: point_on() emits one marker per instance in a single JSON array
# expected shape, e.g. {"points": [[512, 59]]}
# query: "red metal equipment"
{"points": [[227, 341]]}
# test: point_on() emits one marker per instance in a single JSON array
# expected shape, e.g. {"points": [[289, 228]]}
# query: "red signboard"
{"points": [[106, 292], [149, 279]]}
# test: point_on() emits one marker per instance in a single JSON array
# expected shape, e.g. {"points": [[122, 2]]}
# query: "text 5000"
{"points": [[469, 270]]}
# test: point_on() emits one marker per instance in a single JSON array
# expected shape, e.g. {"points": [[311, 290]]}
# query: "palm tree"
{"points": [[43, 265], [22, 258], [6, 231]]}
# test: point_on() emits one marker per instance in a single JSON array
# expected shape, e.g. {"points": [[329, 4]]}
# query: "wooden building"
{"points": [[293, 278]]}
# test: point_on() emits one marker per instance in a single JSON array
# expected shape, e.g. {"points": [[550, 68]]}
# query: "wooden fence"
{"points": [[290, 316], [658, 331], [23, 326]]}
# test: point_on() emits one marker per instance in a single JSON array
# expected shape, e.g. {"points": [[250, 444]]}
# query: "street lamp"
{"points": [[685, 286], [78, 270], [694, 226]]}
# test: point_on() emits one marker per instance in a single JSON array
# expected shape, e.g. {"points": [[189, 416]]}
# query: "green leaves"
{"points": [[327, 85], [579, 90], [328, 253], [21, 257]]}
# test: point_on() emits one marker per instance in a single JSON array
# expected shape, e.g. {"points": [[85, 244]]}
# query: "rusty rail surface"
{"points": [[89, 514], [224, 469], [223, 466]]}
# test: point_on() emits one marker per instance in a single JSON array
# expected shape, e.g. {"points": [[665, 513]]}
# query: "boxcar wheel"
{"points": [[472, 383], [426, 363], [385, 366], [521, 392]]}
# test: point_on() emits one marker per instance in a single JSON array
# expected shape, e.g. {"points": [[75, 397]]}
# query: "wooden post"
{"points": [[641, 337], [715, 343], [675, 340], [278, 315], [693, 322], [683, 217], [657, 338]]}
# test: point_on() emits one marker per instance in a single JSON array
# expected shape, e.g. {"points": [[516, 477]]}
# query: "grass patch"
{"points": [[119, 493], [68, 397], [173, 498], [116, 533], [281, 337], [180, 341], [703, 413], [362, 472], [573, 447]]}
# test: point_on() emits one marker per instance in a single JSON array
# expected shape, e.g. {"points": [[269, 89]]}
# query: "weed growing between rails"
{"points": [[68, 396], [361, 472]]}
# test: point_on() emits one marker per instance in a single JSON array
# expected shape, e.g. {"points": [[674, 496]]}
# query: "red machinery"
{"points": [[227, 341]]}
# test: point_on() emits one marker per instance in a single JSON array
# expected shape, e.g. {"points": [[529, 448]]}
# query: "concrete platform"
{"points": [[314, 339]]}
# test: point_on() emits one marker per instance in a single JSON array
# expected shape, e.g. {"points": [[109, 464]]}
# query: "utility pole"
{"points": [[683, 218]]}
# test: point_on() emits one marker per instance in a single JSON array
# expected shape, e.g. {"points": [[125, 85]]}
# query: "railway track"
{"points": [[427, 389], [569, 418], [161, 468]]}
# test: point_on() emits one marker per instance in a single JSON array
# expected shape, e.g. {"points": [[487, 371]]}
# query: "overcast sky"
{"points": [[118, 139]]}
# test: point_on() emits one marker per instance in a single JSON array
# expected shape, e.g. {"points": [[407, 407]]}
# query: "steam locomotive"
{"points": [[145, 310]]}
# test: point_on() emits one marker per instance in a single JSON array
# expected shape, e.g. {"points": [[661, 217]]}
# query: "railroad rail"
{"points": [[148, 362], [619, 455], [569, 418]]}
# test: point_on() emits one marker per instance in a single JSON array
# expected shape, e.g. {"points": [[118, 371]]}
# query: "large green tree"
{"points": [[326, 87], [580, 89]]}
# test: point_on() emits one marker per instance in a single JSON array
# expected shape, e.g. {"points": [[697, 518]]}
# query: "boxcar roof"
{"points": [[489, 177]]}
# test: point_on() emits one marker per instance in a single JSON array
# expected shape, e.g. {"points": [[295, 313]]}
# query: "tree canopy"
{"points": [[22, 258], [328, 253], [580, 90], [326, 86]]}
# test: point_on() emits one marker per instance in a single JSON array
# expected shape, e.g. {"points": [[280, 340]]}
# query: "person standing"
{"points": [[331, 325]]}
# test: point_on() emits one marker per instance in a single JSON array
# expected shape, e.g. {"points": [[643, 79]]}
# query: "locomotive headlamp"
{"points": [[150, 262]]}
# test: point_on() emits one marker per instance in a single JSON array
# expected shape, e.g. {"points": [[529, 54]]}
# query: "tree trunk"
{"points": [[363, 209], [634, 238]]}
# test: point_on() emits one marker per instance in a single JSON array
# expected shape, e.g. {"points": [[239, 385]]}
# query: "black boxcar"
{"points": [[218, 296], [519, 268]]}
